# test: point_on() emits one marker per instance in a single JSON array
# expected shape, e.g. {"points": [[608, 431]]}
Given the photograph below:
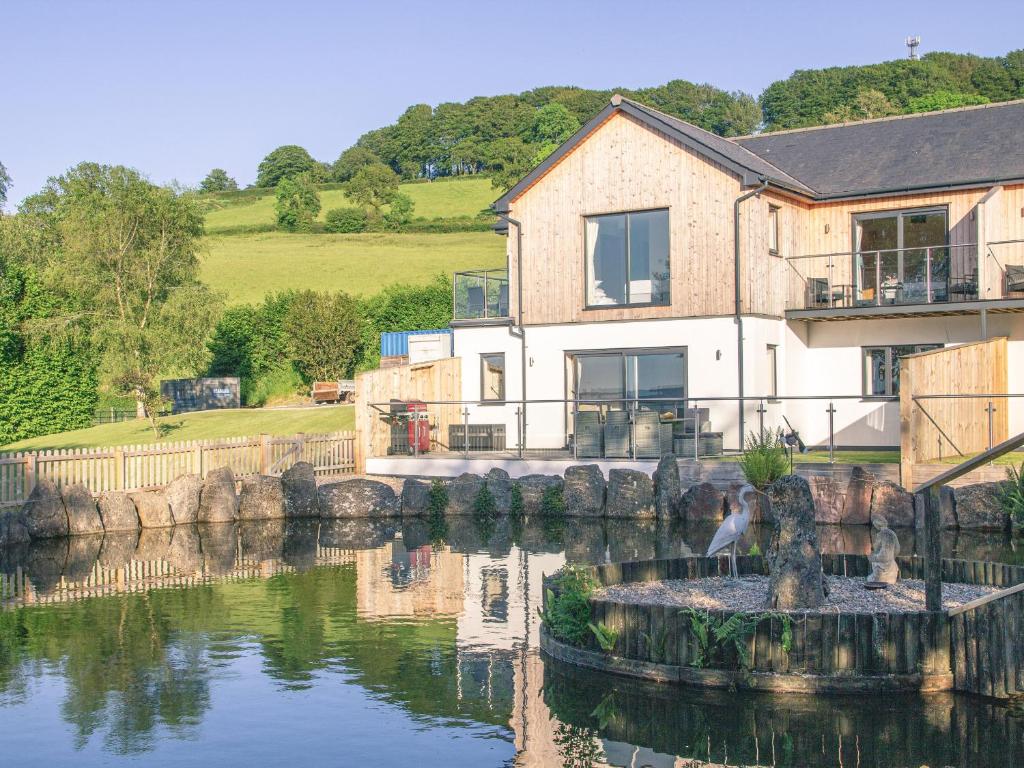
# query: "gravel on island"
{"points": [[750, 593]]}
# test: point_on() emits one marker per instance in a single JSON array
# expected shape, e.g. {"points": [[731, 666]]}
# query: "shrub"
{"points": [[399, 212], [552, 503], [345, 220], [764, 458], [567, 614], [516, 508], [437, 505], [1012, 494], [297, 203]]}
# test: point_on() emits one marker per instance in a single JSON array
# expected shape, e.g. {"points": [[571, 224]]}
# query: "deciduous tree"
{"points": [[218, 180], [284, 162], [373, 187], [323, 332], [297, 203]]}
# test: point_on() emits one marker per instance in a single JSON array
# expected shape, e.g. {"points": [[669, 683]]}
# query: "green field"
{"points": [[200, 426], [438, 199], [248, 267]]}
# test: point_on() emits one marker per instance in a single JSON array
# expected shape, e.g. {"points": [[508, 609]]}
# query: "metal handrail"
{"points": [[973, 463], [936, 246]]}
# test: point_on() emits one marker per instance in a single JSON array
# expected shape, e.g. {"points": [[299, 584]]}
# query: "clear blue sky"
{"points": [[177, 87]]}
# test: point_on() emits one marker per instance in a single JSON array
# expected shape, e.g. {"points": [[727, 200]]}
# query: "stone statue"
{"points": [[883, 556]]}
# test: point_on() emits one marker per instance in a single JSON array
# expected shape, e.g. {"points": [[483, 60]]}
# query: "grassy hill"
{"points": [[200, 426], [247, 267], [465, 196]]}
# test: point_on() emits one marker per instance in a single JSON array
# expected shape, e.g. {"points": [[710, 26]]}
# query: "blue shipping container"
{"points": [[397, 342]]}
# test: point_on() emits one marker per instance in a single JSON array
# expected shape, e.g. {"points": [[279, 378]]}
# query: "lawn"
{"points": [[439, 199], [247, 267], [201, 426]]}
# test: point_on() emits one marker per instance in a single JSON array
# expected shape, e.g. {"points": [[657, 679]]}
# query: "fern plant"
{"points": [[516, 508], [552, 503], [567, 612], [606, 636], [437, 505], [656, 644], [1012, 494], [714, 636]]}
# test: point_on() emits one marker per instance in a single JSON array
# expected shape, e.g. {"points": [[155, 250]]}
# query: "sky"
{"points": [[177, 87]]}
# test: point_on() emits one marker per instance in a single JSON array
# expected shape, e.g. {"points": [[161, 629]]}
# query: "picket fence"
{"points": [[139, 467]]}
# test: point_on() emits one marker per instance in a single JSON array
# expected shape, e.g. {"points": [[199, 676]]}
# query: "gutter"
{"points": [[738, 315], [517, 330]]}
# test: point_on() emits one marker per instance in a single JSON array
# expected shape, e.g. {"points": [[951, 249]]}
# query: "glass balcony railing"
{"points": [[481, 294]]}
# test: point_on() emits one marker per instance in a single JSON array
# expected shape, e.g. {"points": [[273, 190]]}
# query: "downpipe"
{"points": [[517, 331], [738, 315]]}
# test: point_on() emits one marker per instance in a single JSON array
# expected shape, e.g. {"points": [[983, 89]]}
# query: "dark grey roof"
{"points": [[975, 145]]}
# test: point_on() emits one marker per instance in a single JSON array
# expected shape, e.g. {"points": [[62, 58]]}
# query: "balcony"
{"points": [[481, 295], [942, 279]]}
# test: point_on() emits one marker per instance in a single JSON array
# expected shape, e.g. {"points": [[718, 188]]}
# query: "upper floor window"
{"points": [[882, 367], [627, 260], [773, 230]]}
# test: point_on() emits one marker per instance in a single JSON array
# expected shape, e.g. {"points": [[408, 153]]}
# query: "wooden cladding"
{"points": [[932, 428]]}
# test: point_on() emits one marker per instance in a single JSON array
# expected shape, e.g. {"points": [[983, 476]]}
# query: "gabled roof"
{"points": [[956, 147], [971, 146], [736, 158]]}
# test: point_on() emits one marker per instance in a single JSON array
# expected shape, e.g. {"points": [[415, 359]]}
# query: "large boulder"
{"points": [[182, 495], [43, 514], [760, 506], [359, 498], [533, 488], [83, 519], [184, 550], [857, 504], [702, 502], [119, 547], [262, 498], [261, 540], [978, 507], [218, 545], [462, 493], [630, 494], [500, 485], [118, 512], [154, 543], [152, 508], [795, 579], [218, 501], [893, 504], [947, 509], [415, 497], [828, 499], [350, 533], [83, 552], [667, 488], [585, 490], [298, 484], [12, 530]]}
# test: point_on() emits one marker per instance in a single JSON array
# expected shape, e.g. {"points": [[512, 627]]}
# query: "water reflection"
{"points": [[281, 632]]}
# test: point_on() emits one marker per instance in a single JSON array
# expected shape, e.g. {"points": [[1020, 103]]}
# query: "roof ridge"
{"points": [[782, 174], [847, 123]]}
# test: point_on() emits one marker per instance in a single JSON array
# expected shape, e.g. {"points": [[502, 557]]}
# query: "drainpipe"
{"points": [[518, 331], [738, 316]]}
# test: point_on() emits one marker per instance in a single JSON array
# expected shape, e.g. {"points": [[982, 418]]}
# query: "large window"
{"points": [[882, 367], [627, 258], [901, 256], [492, 377], [648, 379]]}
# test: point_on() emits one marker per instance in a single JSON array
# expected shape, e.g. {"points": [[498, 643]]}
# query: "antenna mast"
{"points": [[912, 42]]}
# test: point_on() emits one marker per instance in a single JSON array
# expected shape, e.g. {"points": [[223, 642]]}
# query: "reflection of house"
{"points": [[652, 264], [393, 582]]}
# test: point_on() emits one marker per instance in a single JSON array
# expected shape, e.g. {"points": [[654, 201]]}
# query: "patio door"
{"points": [[649, 379], [893, 263]]}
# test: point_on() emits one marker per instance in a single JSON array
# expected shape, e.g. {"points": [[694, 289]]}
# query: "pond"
{"points": [[367, 643]]}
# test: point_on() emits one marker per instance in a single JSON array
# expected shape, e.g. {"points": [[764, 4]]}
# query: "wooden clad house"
{"points": [[728, 283]]}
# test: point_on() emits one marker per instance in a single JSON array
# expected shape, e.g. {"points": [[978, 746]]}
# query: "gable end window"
{"points": [[627, 259], [773, 230], [882, 367]]}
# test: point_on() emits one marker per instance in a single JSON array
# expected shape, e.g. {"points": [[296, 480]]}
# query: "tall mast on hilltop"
{"points": [[912, 42]]}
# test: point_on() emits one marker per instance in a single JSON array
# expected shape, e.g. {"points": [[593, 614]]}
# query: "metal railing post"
{"points": [[831, 432], [487, 298], [696, 433], [465, 432], [878, 278], [831, 299], [990, 410], [519, 429], [760, 417], [928, 275], [575, 429]]}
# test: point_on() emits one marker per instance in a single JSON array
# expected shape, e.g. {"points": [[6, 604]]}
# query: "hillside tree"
{"points": [[285, 162], [351, 161], [5, 185], [373, 187], [297, 203], [324, 333], [218, 180], [123, 255]]}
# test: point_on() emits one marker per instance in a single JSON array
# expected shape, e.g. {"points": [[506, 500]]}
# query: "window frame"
{"points": [[773, 369], [484, 400], [586, 259], [773, 229], [573, 371], [888, 348]]}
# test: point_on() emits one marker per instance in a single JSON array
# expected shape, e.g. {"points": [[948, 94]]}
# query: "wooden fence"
{"points": [[138, 467], [987, 651]]}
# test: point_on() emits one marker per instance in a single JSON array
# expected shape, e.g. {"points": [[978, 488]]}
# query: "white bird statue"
{"points": [[731, 529]]}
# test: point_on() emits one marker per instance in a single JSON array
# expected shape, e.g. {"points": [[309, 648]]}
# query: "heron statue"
{"points": [[732, 528]]}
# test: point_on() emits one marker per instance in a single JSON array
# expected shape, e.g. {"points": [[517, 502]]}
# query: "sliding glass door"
{"points": [[652, 379], [901, 256]]}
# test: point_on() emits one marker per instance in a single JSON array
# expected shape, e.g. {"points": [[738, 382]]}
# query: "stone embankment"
{"points": [[625, 494]]}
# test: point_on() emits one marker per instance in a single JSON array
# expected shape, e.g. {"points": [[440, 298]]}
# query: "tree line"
{"points": [[100, 295], [504, 136]]}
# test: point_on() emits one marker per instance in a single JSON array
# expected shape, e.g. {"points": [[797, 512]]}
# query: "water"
{"points": [[358, 643]]}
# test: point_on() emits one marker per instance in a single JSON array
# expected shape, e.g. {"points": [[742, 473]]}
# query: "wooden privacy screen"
{"points": [[933, 428], [438, 380]]}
